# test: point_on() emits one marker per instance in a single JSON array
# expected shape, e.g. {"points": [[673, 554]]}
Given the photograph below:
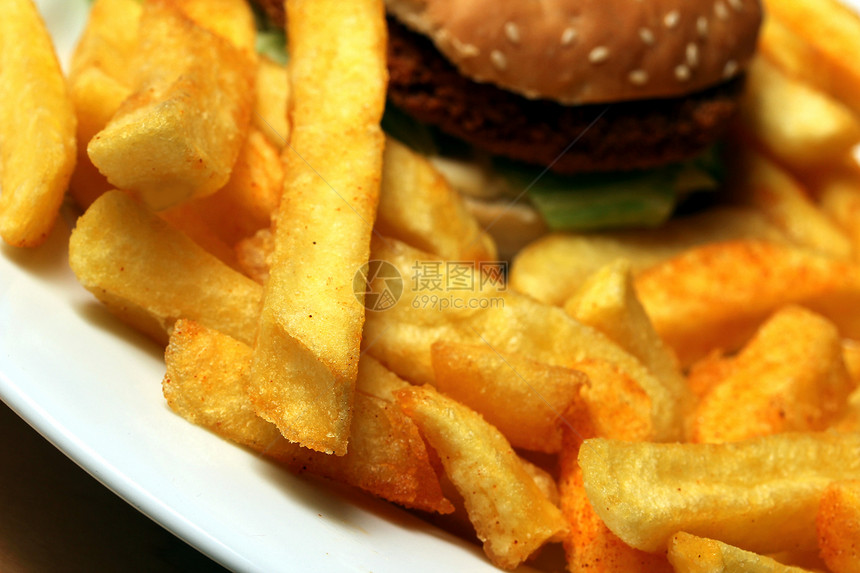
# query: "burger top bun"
{"points": [[590, 51]]}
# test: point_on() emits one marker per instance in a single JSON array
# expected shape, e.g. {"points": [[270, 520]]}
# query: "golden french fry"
{"points": [[186, 218], [306, 357], [37, 128], [552, 268], [838, 195], [838, 526], [230, 19], [760, 495], [797, 124], [715, 296], [419, 207], [830, 30], [273, 94], [485, 312], [608, 302], [254, 254], [708, 372], [178, 134], [204, 383], [790, 377], [101, 78], [524, 399], [149, 274], [692, 554], [511, 515], [766, 186]]}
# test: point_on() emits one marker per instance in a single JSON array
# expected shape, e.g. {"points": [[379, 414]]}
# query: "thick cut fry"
{"points": [[178, 134], [204, 383], [524, 399], [306, 358], [608, 302], [101, 77], [419, 207], [838, 526], [800, 126], [510, 323], [790, 377], [273, 95], [830, 30], [692, 554], [230, 19], [838, 194], [37, 127], [766, 186], [511, 515], [716, 296], [761, 495], [149, 274], [552, 268]]}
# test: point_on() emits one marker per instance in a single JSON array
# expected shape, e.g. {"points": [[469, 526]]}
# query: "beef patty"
{"points": [[570, 139]]}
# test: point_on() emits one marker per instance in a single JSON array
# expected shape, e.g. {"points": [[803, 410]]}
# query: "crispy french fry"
{"points": [[790, 377], [838, 526], [510, 323], [37, 128], [149, 274], [838, 195], [166, 143], [419, 207], [692, 554], [306, 357], [761, 495], [781, 198], [715, 296], [552, 268], [608, 302], [230, 19], [524, 399], [511, 515], [830, 30], [273, 94], [204, 383], [797, 124]]}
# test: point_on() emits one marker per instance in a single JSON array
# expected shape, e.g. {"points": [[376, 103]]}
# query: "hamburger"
{"points": [[568, 114]]}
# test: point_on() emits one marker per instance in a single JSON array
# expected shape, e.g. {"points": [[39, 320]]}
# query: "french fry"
{"points": [[37, 131], [708, 372], [838, 526], [781, 198], [229, 19], [306, 357], [510, 323], [838, 195], [522, 398], [166, 143], [830, 30], [204, 383], [761, 495], [149, 274], [419, 207], [608, 302], [552, 268], [273, 94], [715, 296], [800, 126], [790, 377], [692, 554], [511, 515]]}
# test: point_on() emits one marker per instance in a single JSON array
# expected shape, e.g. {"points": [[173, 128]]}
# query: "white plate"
{"points": [[93, 388]]}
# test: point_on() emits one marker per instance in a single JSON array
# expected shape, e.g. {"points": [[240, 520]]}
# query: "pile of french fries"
{"points": [[686, 398]]}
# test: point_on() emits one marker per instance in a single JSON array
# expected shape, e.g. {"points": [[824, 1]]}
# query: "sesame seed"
{"points": [[568, 36], [692, 55], [730, 69], [499, 60], [598, 54], [464, 48], [638, 77], [647, 36], [720, 10], [671, 19], [682, 73], [512, 32], [702, 26], [738, 5]]}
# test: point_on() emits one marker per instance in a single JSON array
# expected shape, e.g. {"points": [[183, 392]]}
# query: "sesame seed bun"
{"points": [[590, 51]]}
